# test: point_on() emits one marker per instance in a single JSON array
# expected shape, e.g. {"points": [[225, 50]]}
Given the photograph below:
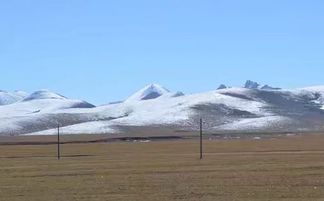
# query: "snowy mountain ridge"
{"points": [[247, 109]]}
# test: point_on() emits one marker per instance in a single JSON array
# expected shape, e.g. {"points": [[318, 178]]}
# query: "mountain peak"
{"points": [[267, 87], [43, 94], [178, 94], [222, 86], [251, 85], [151, 91]]}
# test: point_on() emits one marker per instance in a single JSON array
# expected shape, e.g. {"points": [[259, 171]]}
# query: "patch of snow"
{"points": [[145, 141], [93, 127], [9, 125], [253, 123]]}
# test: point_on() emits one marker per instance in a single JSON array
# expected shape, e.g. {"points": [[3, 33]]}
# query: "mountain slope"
{"points": [[7, 98]]}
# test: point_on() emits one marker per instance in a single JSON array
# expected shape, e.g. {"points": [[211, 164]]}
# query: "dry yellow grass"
{"points": [[287, 169]]}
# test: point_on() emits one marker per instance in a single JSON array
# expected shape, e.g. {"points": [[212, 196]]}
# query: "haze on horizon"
{"points": [[103, 51]]}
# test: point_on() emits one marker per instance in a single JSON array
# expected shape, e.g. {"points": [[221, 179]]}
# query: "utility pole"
{"points": [[58, 143], [201, 144]]}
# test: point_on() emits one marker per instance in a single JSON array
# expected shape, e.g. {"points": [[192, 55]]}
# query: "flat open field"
{"points": [[287, 169]]}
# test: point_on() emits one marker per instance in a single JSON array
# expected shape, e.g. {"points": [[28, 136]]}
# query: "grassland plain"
{"points": [[284, 169]]}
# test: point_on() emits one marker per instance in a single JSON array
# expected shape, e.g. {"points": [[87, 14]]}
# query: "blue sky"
{"points": [[103, 50]]}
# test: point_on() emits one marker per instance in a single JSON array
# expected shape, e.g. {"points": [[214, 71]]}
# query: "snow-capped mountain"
{"points": [[152, 91], [247, 109], [11, 97]]}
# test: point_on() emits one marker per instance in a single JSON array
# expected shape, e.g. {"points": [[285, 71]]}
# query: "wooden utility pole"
{"points": [[58, 143], [201, 144]]}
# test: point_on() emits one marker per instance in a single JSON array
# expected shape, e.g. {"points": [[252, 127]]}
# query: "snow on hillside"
{"points": [[93, 127], [36, 109], [21, 94], [11, 97], [314, 93], [175, 109], [152, 91], [43, 101], [25, 108], [43, 94], [254, 123]]}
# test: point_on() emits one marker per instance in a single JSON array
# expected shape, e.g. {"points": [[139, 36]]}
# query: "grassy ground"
{"points": [[287, 169]]}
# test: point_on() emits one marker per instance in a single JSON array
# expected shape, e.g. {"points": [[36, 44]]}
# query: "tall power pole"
{"points": [[201, 144], [58, 143]]}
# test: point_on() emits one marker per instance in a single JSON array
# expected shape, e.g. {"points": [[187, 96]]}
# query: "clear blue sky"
{"points": [[104, 50]]}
